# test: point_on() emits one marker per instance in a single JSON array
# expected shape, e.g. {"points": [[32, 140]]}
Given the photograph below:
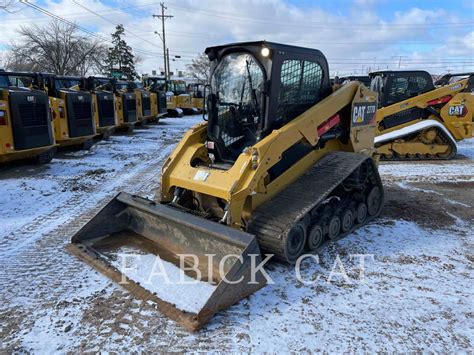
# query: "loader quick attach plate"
{"points": [[201, 266]]}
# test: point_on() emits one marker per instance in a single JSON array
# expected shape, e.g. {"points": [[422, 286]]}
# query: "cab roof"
{"points": [[386, 72], [269, 45]]}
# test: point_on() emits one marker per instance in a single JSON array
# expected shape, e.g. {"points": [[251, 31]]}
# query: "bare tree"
{"points": [[9, 6], [57, 48], [200, 69]]}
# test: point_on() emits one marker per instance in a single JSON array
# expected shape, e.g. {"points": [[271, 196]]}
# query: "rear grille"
{"points": [[146, 104], [106, 109], [82, 110], [130, 104], [33, 115]]}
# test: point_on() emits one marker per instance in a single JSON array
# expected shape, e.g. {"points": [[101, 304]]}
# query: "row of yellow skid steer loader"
{"points": [[284, 164], [39, 112]]}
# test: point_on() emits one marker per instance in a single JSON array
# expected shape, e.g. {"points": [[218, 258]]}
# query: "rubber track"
{"points": [[272, 221], [424, 157]]}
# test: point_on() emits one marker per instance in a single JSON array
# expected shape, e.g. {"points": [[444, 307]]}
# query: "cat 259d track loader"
{"points": [[282, 166], [26, 130], [416, 120]]}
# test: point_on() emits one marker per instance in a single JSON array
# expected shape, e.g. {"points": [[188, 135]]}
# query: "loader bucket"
{"points": [[189, 266]]}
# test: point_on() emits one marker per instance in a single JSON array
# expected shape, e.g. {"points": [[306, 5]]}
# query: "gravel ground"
{"points": [[416, 294]]}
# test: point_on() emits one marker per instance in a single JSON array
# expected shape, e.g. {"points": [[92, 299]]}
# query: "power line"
{"points": [[74, 25], [113, 23], [316, 24]]}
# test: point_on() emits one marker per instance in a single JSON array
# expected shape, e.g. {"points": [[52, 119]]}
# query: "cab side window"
{"points": [[300, 88], [404, 87]]}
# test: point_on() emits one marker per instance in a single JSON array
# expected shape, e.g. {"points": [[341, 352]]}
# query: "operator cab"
{"points": [[396, 86], [156, 83], [257, 87], [178, 87]]}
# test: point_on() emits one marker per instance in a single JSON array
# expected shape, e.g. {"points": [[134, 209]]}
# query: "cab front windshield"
{"points": [[66, 83], [103, 84], [157, 84], [179, 87], [237, 83]]}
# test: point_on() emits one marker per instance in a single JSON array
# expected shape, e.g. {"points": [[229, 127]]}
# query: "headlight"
{"points": [[2, 113], [265, 52]]}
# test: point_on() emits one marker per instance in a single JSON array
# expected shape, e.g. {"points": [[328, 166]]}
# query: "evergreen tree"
{"points": [[120, 57]]}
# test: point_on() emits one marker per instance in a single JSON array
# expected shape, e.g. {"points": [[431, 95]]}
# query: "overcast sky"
{"points": [[355, 35]]}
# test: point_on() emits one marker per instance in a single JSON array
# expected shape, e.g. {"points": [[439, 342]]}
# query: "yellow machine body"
{"points": [[61, 125], [25, 123], [243, 187], [7, 146]]}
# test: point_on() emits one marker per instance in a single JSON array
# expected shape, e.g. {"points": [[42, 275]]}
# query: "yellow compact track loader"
{"points": [[416, 120], [182, 97], [147, 106], [159, 85], [103, 105], [26, 130], [73, 119], [283, 166]]}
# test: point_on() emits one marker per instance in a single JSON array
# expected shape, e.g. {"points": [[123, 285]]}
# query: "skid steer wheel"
{"points": [[295, 242], [87, 144], [374, 200], [45, 158]]}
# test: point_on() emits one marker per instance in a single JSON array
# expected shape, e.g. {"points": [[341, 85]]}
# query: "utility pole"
{"points": [[399, 59], [163, 17]]}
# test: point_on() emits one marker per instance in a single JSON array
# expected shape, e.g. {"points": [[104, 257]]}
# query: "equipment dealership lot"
{"points": [[416, 294]]}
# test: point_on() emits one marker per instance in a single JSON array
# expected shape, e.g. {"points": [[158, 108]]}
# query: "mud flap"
{"points": [[217, 276]]}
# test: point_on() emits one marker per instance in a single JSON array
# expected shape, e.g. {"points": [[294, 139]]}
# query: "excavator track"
{"points": [[326, 203], [417, 137]]}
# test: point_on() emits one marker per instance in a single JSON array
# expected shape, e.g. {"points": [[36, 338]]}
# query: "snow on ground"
{"points": [[415, 295], [165, 279]]}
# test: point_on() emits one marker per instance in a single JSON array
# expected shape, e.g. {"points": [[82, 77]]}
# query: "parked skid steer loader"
{"points": [[416, 120], [146, 111], [181, 97], [25, 123], [103, 105], [126, 105], [283, 166], [157, 86], [73, 119]]}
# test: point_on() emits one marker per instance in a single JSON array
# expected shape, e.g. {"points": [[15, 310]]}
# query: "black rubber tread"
{"points": [[443, 137], [44, 158], [272, 221]]}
